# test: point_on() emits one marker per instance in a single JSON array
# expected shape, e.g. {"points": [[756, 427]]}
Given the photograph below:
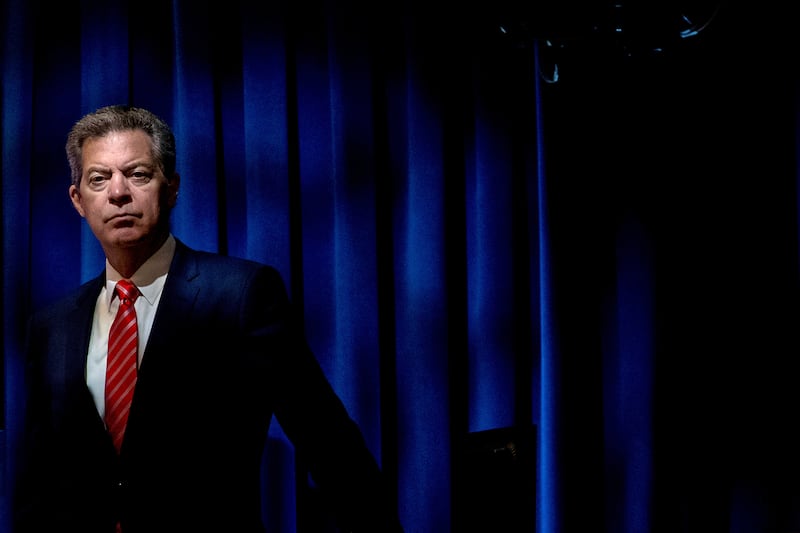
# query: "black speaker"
{"points": [[495, 482]]}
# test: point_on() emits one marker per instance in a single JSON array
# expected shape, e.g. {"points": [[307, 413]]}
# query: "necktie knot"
{"points": [[126, 290]]}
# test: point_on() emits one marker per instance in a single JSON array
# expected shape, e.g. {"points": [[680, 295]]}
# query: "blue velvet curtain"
{"points": [[582, 236]]}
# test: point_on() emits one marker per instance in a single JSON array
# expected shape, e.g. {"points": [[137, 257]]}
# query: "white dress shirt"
{"points": [[149, 279]]}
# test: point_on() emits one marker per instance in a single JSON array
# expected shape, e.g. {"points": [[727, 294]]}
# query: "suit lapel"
{"points": [[176, 304], [76, 345], [85, 302], [155, 391]]}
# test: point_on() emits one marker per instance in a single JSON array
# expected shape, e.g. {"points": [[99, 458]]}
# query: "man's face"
{"points": [[123, 195]]}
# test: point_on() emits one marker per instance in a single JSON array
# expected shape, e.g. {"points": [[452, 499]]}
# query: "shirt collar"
{"points": [[149, 279]]}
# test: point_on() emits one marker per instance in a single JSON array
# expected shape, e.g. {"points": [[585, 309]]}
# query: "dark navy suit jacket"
{"points": [[225, 353]]}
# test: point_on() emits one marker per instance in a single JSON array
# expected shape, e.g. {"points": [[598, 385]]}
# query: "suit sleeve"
{"points": [[29, 481], [314, 418]]}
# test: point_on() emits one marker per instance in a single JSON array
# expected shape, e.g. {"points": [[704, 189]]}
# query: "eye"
{"points": [[96, 180], [139, 177]]}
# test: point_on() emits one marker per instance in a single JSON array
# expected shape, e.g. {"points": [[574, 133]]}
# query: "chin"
{"points": [[126, 239]]}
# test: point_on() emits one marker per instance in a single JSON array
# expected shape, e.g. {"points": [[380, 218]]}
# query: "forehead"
{"points": [[117, 148]]}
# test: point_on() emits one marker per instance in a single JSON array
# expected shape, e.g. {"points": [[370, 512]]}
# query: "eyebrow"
{"points": [[126, 168]]}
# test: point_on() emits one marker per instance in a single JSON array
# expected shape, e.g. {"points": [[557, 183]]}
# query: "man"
{"points": [[214, 351]]}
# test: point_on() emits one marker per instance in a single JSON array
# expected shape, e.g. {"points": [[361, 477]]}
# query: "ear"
{"points": [[75, 196], [172, 190]]}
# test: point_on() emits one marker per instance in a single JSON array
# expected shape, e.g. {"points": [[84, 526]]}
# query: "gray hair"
{"points": [[121, 118]]}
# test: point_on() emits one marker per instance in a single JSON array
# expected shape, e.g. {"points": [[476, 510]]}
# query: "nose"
{"points": [[118, 187]]}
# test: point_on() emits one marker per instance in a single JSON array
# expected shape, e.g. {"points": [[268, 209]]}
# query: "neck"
{"points": [[127, 260]]}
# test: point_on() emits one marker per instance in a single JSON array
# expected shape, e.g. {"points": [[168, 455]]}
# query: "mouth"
{"points": [[122, 219]]}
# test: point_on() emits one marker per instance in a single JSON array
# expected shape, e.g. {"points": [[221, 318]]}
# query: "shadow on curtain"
{"points": [[606, 261]]}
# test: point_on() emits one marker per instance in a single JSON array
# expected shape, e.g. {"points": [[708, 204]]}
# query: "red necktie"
{"points": [[123, 350]]}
